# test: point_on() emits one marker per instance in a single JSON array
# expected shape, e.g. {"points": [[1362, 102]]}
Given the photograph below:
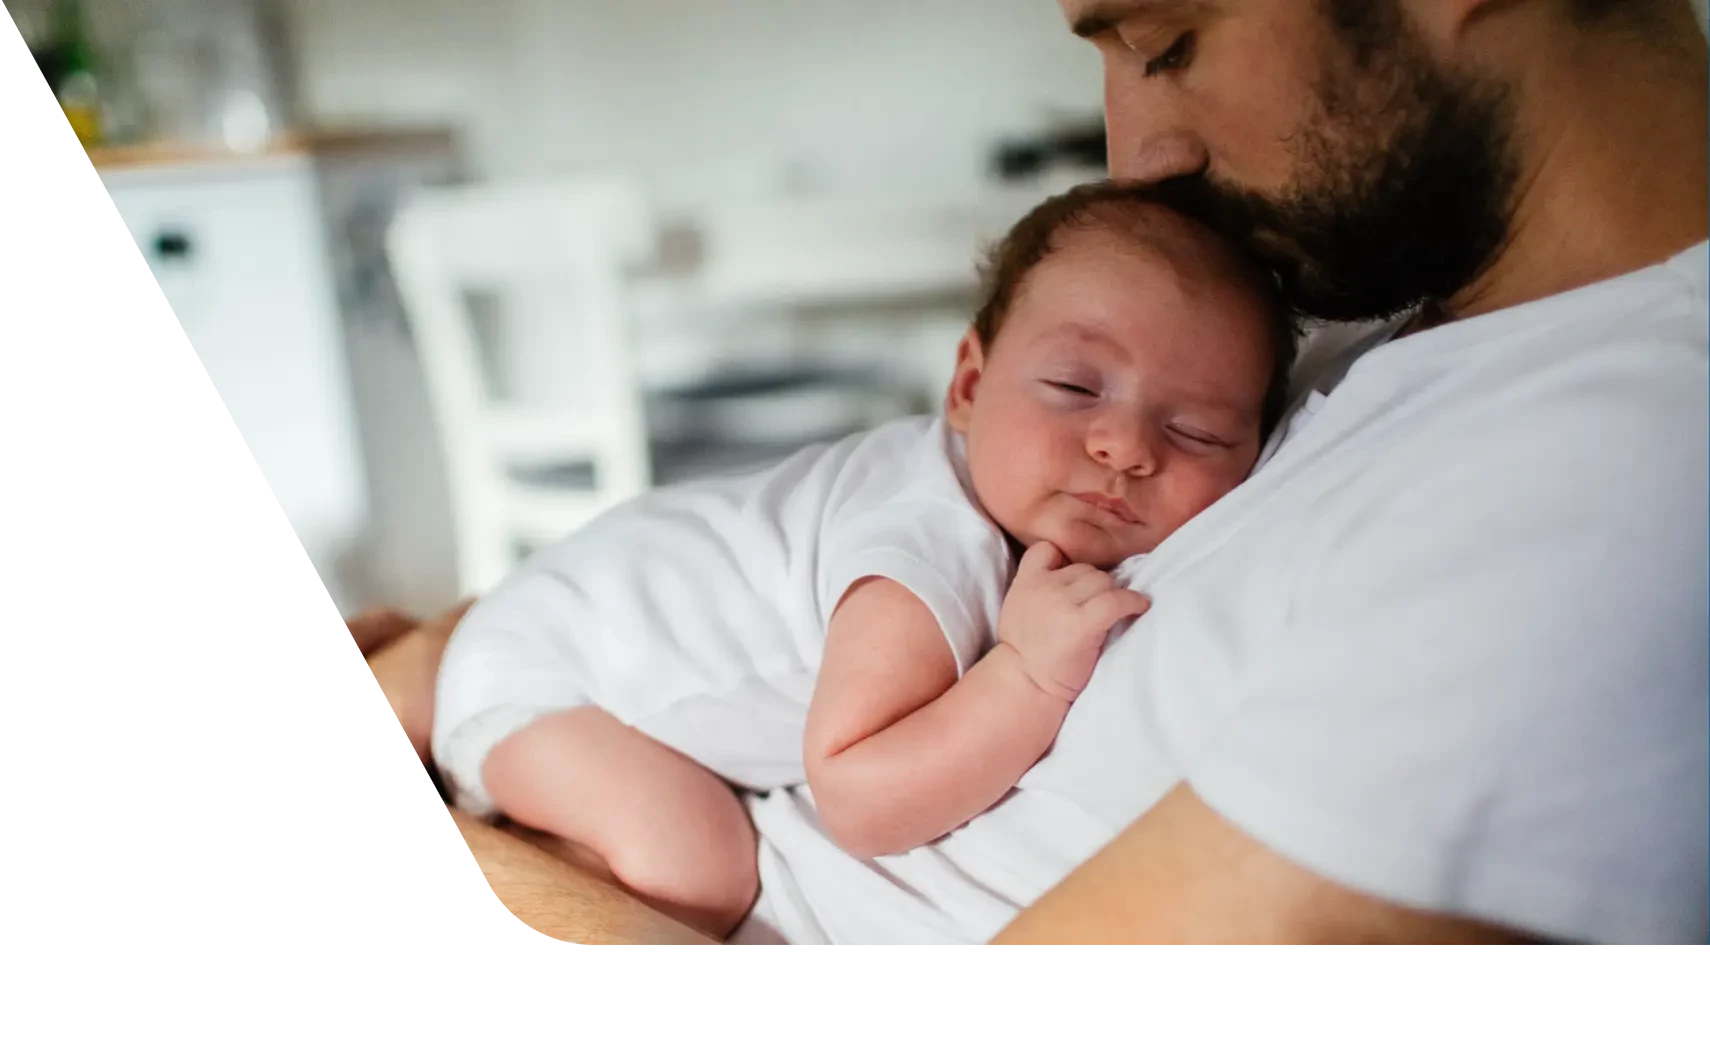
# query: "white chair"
{"points": [[569, 245]]}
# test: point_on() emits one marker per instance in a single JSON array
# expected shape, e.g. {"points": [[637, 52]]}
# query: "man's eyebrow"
{"points": [[1103, 17]]}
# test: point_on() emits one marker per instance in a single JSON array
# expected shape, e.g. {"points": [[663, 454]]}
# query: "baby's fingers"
{"points": [[1080, 583], [1106, 609], [1040, 558]]}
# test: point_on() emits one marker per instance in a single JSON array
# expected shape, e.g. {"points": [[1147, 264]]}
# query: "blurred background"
{"points": [[466, 273]]}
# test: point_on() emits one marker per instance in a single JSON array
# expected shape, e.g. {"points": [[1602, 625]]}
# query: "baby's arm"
{"points": [[898, 751]]}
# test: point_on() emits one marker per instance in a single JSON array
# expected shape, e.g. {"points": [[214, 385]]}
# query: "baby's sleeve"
{"points": [[512, 659], [948, 555]]}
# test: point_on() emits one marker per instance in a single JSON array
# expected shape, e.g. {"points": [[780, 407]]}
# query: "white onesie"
{"points": [[697, 613]]}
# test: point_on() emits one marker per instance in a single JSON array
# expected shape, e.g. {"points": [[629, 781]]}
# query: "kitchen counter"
{"points": [[316, 142]]}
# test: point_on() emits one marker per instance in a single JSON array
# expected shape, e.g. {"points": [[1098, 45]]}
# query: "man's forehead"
{"points": [[1090, 17]]}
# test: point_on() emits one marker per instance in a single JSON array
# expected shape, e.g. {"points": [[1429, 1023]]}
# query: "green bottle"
{"points": [[78, 88]]}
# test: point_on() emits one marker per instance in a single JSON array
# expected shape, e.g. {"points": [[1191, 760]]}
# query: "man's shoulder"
{"points": [[1589, 377], [1648, 323], [1579, 427]]}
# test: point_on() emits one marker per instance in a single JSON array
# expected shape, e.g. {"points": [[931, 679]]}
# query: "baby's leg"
{"points": [[668, 829]]}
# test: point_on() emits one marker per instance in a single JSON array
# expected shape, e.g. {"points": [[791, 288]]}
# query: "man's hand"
{"points": [[404, 656], [374, 629], [1056, 617]]}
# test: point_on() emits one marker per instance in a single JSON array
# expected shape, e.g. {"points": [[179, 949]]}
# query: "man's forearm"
{"points": [[556, 898], [940, 765], [1183, 874]]}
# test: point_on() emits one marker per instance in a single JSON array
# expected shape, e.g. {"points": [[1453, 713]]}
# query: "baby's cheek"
{"points": [[1192, 492], [998, 482]]}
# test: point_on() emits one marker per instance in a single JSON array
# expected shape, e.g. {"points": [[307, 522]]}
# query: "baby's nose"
{"points": [[1122, 449]]}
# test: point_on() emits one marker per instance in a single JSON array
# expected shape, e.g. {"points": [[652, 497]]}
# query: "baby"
{"points": [[857, 617]]}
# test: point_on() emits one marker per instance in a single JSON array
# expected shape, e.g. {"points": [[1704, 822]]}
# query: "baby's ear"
{"points": [[970, 364]]}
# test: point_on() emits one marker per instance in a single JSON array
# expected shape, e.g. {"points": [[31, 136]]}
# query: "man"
{"points": [[1438, 671], [1488, 714]]}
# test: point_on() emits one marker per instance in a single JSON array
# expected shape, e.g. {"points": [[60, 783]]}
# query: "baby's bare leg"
{"points": [[670, 830]]}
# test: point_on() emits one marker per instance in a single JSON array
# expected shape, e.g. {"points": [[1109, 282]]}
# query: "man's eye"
{"points": [[1175, 57], [1074, 389]]}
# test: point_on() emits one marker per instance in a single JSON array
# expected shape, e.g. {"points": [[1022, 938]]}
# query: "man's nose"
{"points": [[1145, 138]]}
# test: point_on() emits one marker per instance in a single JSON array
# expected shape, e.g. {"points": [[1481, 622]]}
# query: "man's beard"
{"points": [[1405, 185]]}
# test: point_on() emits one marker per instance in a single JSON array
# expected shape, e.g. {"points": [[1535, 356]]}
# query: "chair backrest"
{"points": [[568, 245]]}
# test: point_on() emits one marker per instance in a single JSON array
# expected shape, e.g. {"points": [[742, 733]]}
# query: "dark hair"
{"points": [[1120, 208], [1368, 27], [1591, 12], [1664, 28]]}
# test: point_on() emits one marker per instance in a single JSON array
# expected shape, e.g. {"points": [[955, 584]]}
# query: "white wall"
{"points": [[858, 92], [862, 91]]}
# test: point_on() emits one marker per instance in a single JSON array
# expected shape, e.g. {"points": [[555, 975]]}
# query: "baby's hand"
{"points": [[1056, 617]]}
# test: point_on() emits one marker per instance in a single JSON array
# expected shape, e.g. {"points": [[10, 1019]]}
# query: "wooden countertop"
{"points": [[318, 142]]}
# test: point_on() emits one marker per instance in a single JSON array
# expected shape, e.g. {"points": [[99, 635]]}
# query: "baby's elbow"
{"points": [[851, 826], [855, 835]]}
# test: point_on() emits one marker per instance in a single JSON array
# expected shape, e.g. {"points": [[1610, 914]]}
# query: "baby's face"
{"points": [[1122, 397]]}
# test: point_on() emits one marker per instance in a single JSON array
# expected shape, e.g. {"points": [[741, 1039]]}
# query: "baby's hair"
{"points": [[1124, 209]]}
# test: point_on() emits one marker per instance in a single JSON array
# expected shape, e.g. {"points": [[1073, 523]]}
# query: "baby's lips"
{"points": [[1114, 505]]}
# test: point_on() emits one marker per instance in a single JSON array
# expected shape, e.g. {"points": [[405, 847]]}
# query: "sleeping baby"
{"points": [[900, 619]]}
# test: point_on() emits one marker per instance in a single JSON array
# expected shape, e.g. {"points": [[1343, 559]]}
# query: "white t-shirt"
{"points": [[1448, 646], [698, 612]]}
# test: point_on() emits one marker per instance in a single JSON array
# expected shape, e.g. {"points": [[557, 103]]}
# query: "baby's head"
{"points": [[1122, 374]]}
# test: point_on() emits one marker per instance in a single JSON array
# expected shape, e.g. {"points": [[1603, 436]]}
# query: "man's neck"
{"points": [[1614, 170]]}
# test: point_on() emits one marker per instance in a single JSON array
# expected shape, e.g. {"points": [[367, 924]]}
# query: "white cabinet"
{"points": [[255, 267]]}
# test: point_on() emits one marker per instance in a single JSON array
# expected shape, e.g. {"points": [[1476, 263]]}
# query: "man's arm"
{"points": [[376, 627], [558, 899], [1182, 874]]}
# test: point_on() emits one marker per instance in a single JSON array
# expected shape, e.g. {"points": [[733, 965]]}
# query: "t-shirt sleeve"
{"points": [[1492, 696], [946, 553]]}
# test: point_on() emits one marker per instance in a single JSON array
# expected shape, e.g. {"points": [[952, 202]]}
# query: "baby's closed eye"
{"points": [[1070, 388], [1196, 437]]}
